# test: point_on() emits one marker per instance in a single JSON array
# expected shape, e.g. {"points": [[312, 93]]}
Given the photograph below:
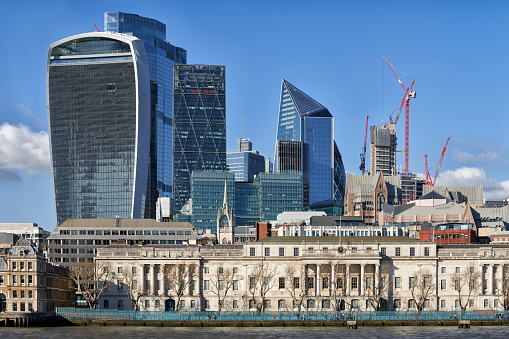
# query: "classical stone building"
{"points": [[310, 273], [29, 283]]}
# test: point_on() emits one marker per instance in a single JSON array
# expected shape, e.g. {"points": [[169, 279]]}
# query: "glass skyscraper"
{"points": [[199, 125], [161, 56], [305, 142], [99, 125]]}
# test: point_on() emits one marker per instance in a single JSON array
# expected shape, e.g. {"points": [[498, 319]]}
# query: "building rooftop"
{"points": [[344, 240], [122, 223]]}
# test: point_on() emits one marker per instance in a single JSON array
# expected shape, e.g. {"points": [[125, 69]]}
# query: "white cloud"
{"points": [[22, 149], [27, 112], [486, 154], [472, 176]]}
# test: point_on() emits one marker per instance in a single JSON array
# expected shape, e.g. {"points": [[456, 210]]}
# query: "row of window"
{"points": [[91, 242], [20, 265], [22, 280], [296, 251], [22, 294], [119, 232], [22, 307]]}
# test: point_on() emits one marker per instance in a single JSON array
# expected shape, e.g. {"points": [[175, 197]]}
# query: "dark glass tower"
{"points": [[199, 125], [305, 142], [99, 125], [161, 56]]}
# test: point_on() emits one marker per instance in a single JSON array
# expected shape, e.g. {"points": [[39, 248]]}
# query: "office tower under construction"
{"points": [[383, 149]]}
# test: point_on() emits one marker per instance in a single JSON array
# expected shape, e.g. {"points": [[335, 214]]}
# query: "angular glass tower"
{"points": [[305, 142], [99, 125], [199, 125], [161, 56]]}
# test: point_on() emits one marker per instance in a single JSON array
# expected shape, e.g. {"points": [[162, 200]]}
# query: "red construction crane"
{"points": [[409, 93], [362, 167], [430, 182], [97, 29]]}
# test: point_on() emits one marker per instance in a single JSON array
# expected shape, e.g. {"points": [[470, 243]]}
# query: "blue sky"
{"points": [[332, 50]]}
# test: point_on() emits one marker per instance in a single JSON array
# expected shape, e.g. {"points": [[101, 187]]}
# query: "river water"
{"points": [[254, 332]]}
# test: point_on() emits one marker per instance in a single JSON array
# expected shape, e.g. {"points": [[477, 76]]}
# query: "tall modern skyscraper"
{"points": [[305, 142], [199, 125], [99, 125], [161, 56]]}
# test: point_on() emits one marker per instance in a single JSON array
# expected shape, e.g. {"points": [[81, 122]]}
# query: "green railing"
{"points": [[124, 315]]}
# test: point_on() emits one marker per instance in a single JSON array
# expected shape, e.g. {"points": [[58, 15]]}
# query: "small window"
{"points": [[281, 251], [443, 304], [444, 270], [252, 252], [267, 251], [383, 251], [443, 284], [296, 252], [281, 304], [426, 251], [397, 282], [281, 282], [107, 303], [398, 251], [412, 251], [458, 270], [119, 269], [354, 283]]}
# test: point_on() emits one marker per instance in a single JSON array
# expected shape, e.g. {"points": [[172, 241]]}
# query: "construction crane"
{"points": [[97, 29], [409, 93], [362, 167], [430, 182]]}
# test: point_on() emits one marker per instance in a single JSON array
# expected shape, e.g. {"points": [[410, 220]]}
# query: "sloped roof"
{"points": [[304, 103], [448, 208], [432, 195], [123, 223], [471, 194]]}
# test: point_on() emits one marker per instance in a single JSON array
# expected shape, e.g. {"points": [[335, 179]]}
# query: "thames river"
{"points": [[274, 332]]}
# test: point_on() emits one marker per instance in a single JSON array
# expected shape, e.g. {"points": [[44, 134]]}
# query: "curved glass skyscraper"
{"points": [[305, 142], [98, 99]]}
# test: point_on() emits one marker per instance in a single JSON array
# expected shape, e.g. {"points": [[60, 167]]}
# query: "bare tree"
{"points": [[91, 280], [465, 284], [295, 284], [337, 283], [502, 288], [264, 282], [129, 280], [376, 291], [179, 277], [224, 280], [422, 285]]}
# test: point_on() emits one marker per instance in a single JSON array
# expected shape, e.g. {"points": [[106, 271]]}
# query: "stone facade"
{"points": [[318, 273]]}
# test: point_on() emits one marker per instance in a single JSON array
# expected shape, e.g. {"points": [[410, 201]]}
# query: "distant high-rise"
{"points": [[383, 144], [245, 162], [199, 125], [99, 125], [161, 56], [305, 142]]}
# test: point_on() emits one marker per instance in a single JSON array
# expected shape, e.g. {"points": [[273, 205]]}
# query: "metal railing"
{"points": [[86, 314]]}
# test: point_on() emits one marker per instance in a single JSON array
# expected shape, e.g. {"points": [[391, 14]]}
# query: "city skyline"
{"points": [[451, 50]]}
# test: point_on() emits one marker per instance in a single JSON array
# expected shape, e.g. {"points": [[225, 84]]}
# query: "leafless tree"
{"points": [[376, 291], [337, 284], [264, 281], [223, 281], [465, 283], [179, 277], [295, 284], [91, 280], [502, 288], [129, 280], [422, 286]]}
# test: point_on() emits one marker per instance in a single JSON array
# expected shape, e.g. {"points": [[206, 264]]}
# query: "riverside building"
{"points": [[313, 274]]}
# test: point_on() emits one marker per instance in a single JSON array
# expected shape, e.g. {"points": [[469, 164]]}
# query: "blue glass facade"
{"points": [[199, 125], [161, 56], [262, 200], [99, 126], [207, 189], [245, 165], [279, 192], [305, 142]]}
